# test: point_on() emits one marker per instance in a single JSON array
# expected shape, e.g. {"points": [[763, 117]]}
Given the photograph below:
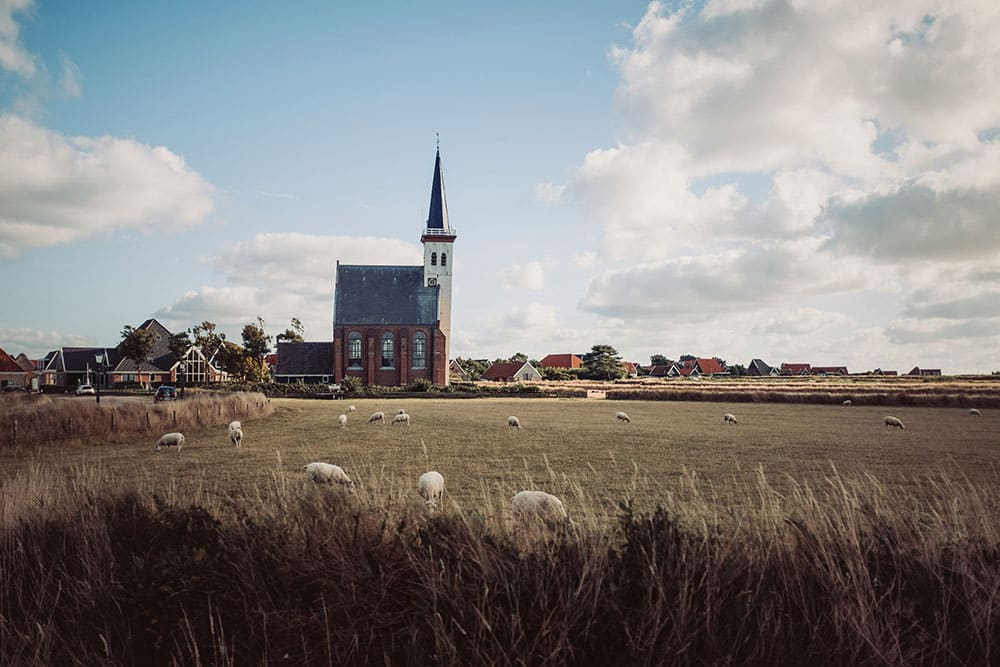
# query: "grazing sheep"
{"points": [[893, 421], [975, 412], [401, 418], [847, 402], [537, 506], [431, 487], [170, 440], [235, 430], [377, 417], [401, 411], [729, 418], [351, 408], [513, 422], [622, 417], [327, 473], [342, 420]]}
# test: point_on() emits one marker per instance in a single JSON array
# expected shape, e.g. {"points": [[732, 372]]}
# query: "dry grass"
{"points": [[806, 534]]}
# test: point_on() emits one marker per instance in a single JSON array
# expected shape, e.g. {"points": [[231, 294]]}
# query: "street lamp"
{"points": [[181, 367], [99, 357]]}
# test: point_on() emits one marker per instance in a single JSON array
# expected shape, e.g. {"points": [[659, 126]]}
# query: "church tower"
{"points": [[438, 239]]}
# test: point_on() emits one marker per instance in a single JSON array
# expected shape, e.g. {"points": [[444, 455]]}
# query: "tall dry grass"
{"points": [[29, 420], [844, 571]]}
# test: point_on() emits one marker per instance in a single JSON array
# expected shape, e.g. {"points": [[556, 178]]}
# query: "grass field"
{"points": [[566, 446], [805, 534]]}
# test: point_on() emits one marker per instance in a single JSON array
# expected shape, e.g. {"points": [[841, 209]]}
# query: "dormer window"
{"points": [[434, 259]]}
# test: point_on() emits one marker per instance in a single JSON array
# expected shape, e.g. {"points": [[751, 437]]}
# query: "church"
{"points": [[391, 324]]}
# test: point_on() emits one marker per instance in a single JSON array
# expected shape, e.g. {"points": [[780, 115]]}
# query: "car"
{"points": [[85, 390], [13, 387], [165, 392]]}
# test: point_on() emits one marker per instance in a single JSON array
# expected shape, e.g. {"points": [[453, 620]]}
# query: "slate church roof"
{"points": [[437, 215], [384, 295], [304, 359]]}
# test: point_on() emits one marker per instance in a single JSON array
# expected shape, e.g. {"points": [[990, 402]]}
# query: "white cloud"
{"points": [[36, 343], [71, 76], [549, 193], [13, 56], [530, 276], [57, 189], [585, 260]]}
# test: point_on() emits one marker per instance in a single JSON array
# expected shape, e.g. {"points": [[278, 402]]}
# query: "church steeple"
{"points": [[437, 217]]}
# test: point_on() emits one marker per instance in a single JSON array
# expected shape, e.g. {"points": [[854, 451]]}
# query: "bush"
{"points": [[350, 384], [420, 384]]}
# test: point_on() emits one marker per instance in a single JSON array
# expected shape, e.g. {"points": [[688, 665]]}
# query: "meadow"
{"points": [[805, 533]]}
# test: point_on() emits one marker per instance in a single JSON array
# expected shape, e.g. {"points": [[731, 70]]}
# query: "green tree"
{"points": [[737, 370], [136, 345], [475, 367], [179, 344], [207, 340], [602, 363], [519, 356], [230, 357], [256, 345], [687, 357], [660, 360], [295, 334]]}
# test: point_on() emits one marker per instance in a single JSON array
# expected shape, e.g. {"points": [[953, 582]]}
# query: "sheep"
{"points": [[893, 421], [401, 411], [377, 417], [729, 418], [975, 412], [235, 433], [513, 422], [351, 408], [401, 418], [431, 487], [846, 402], [537, 506], [327, 473], [622, 417], [170, 440], [342, 420]]}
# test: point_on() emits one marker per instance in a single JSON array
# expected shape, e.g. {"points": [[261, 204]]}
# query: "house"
{"points": [[72, 366], [795, 369], [758, 368], [309, 363], [511, 371], [198, 369], [659, 371], [697, 368], [879, 371], [631, 369], [158, 365], [917, 370], [458, 371], [392, 324], [561, 361], [11, 372], [828, 370]]}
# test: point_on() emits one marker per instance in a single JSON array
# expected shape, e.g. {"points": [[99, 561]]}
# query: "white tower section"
{"points": [[439, 239]]}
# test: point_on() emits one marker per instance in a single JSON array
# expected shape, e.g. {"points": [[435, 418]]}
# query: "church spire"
{"points": [[437, 217]]}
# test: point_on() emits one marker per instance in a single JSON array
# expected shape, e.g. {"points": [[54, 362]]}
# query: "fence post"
{"points": [[112, 420], [15, 431]]}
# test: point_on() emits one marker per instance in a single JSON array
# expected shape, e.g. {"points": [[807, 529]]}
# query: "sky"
{"points": [[798, 181]]}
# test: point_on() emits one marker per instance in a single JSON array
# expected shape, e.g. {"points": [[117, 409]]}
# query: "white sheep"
{"points": [[401, 418], [622, 417], [235, 430], [893, 421], [729, 418], [537, 506], [975, 412], [401, 411], [327, 473], [351, 408], [846, 402], [431, 487], [342, 420], [513, 422], [170, 440], [377, 417]]}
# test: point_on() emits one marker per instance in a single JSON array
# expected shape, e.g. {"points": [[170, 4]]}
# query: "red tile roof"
{"points": [[503, 370], [710, 367], [561, 361]]}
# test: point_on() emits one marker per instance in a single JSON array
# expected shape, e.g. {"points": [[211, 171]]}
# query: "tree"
{"points": [[230, 358], [520, 357], [687, 357], [207, 340], [658, 360], [474, 367], [256, 345], [295, 334], [737, 370], [179, 344], [602, 363], [136, 345]]}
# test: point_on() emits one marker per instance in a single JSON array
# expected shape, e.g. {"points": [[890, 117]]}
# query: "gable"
{"points": [[383, 295]]}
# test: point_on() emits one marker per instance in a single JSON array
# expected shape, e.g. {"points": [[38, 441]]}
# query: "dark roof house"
{"points": [[304, 362]]}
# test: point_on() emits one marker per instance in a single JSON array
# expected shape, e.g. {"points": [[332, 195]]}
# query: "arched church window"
{"points": [[419, 350], [387, 350], [434, 259], [444, 259], [354, 350]]}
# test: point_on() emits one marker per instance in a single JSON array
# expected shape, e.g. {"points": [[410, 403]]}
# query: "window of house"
{"points": [[444, 259], [387, 350], [434, 259], [354, 350], [419, 350]]}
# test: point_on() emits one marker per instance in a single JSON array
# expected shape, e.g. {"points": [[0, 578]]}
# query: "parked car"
{"points": [[13, 387], [85, 390], [165, 392]]}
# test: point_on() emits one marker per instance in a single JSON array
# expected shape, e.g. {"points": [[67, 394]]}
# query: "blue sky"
{"points": [[741, 178]]}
